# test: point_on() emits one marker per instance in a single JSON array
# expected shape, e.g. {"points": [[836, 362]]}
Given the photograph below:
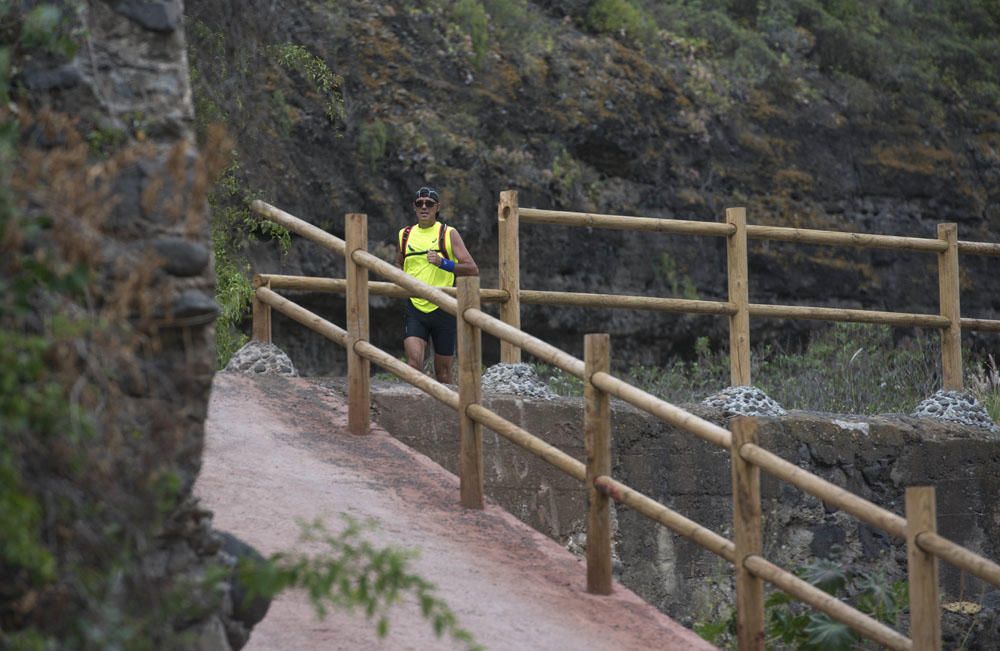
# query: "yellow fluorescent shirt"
{"points": [[422, 240]]}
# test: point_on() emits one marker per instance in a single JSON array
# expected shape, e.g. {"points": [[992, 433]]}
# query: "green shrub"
{"points": [[723, 35], [295, 57], [841, 47], [790, 624], [233, 227], [472, 19], [233, 293], [680, 283], [620, 18], [847, 368], [509, 16], [853, 368], [983, 380], [558, 381], [372, 143]]}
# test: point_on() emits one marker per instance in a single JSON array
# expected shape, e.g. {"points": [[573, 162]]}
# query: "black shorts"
{"points": [[438, 325]]}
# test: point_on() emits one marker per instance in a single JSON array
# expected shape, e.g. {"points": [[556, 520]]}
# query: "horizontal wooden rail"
{"points": [[827, 603], [676, 305], [662, 409], [545, 352], [624, 222], [824, 490], [900, 319], [338, 286], [530, 442], [404, 285], [674, 521], [302, 315], [978, 248], [433, 294], [773, 233], [618, 301], [363, 258], [337, 334], [987, 325], [837, 238], [959, 556], [404, 371], [300, 227]]}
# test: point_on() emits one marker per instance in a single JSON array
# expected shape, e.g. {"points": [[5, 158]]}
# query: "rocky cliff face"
{"points": [[525, 96], [112, 237]]}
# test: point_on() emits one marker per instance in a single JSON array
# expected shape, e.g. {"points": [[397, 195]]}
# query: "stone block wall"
{"points": [[874, 457]]}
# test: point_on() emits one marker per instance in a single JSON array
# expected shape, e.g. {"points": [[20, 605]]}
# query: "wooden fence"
{"points": [[924, 545], [738, 308]]}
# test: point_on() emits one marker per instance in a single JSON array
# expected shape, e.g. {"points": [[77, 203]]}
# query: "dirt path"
{"points": [[277, 452]]}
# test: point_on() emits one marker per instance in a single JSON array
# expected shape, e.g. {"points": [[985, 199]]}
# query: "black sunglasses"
{"points": [[424, 203]]}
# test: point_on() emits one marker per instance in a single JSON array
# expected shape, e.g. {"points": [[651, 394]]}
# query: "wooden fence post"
{"points": [[597, 442], [470, 362], [922, 567], [358, 368], [948, 282], [261, 329], [739, 295], [747, 538], [510, 271]]}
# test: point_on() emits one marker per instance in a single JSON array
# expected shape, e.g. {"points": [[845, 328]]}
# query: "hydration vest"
{"points": [[441, 240]]}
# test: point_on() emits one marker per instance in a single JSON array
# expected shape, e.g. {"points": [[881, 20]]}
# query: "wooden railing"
{"points": [[924, 545], [737, 232]]}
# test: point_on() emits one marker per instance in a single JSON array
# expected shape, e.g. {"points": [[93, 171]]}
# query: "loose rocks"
{"points": [[517, 379], [957, 407], [257, 358], [744, 401]]}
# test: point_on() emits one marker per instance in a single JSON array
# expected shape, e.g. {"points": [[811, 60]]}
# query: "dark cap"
{"points": [[430, 193]]}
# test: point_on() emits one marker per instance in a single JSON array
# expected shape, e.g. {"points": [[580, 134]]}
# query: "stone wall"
{"points": [[115, 118], [874, 457]]}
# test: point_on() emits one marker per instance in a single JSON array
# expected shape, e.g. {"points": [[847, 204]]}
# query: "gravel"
{"points": [[516, 379], [257, 358], [744, 401], [956, 407]]}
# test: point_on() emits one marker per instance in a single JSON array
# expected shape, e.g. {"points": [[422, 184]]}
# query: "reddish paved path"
{"points": [[277, 452]]}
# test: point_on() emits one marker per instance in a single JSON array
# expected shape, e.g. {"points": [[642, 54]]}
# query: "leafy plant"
{"points": [[800, 627], [621, 18], [233, 293], [680, 283], [853, 368], [560, 382], [372, 142], [793, 625], [984, 382], [233, 226], [351, 574], [846, 368], [473, 20], [296, 57]]}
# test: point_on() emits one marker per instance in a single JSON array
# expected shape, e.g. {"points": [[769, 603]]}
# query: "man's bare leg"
{"points": [[442, 368], [415, 349]]}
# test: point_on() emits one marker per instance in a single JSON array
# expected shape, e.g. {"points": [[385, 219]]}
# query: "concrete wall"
{"points": [[875, 457]]}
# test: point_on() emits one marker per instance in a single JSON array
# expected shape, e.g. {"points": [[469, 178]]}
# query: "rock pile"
{"points": [[744, 401], [516, 379], [258, 358], [957, 407]]}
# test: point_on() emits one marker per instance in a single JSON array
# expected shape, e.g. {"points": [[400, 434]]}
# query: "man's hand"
{"points": [[434, 258]]}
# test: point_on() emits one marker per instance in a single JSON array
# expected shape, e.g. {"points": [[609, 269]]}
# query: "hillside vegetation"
{"points": [[859, 116]]}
